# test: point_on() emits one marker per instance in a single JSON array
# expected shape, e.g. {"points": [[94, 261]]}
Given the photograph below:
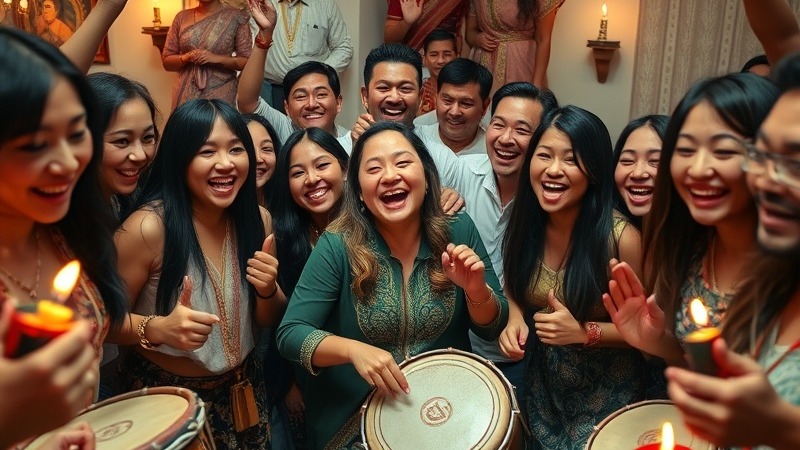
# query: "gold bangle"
{"points": [[140, 331], [491, 295]]}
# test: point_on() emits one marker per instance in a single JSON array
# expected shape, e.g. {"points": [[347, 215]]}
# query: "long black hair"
{"points": [[184, 134], [657, 123], [266, 190], [112, 91], [586, 273], [291, 222], [29, 68]]}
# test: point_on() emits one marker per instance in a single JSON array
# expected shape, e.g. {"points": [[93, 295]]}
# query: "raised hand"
{"points": [[451, 201], [264, 14], [464, 268], [262, 270], [558, 327], [730, 412], [378, 368], [184, 328], [412, 10], [639, 320]]}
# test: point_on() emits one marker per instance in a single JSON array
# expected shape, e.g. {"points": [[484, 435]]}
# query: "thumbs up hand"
{"points": [[558, 327], [262, 270], [184, 328]]}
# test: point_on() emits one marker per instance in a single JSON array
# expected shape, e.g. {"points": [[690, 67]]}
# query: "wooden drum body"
{"points": [[165, 418], [458, 400], [640, 424]]}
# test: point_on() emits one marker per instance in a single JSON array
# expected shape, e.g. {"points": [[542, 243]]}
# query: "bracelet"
{"points": [[274, 291], [140, 331], [593, 331], [469, 300], [263, 44]]}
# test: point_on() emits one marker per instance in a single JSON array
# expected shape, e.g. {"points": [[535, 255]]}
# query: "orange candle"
{"points": [[35, 324], [667, 441], [700, 341]]}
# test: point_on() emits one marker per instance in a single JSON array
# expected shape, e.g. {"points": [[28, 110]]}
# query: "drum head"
{"points": [[457, 401], [138, 420], [640, 424]]}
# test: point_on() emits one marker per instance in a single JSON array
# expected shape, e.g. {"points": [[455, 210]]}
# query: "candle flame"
{"points": [[65, 280], [605, 10], [667, 437], [698, 312]]}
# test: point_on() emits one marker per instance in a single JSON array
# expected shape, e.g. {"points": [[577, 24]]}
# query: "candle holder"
{"points": [[603, 51]]}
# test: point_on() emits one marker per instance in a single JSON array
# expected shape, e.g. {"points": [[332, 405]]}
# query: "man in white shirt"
{"points": [[488, 182], [306, 30], [314, 98], [462, 99]]}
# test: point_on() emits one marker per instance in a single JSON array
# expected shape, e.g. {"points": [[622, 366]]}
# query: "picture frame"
{"points": [[53, 20]]}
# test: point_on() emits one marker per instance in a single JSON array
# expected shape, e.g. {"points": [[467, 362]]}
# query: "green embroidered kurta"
{"points": [[404, 320]]}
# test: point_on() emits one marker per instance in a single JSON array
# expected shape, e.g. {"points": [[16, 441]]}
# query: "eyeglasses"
{"points": [[787, 170]]}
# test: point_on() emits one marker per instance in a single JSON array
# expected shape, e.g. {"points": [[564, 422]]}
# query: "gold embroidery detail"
{"points": [[310, 344]]}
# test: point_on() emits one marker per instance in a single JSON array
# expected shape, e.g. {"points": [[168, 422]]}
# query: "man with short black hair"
{"points": [[439, 49]]}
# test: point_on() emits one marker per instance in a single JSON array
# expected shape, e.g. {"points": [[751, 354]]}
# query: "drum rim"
{"points": [[596, 428], [449, 351], [194, 414]]}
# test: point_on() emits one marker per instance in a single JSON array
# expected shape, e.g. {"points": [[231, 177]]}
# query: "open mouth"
{"points": [[639, 195], [394, 199], [707, 196], [312, 116], [394, 114], [505, 155], [317, 195], [129, 173], [53, 192], [552, 191], [261, 172], [222, 185]]}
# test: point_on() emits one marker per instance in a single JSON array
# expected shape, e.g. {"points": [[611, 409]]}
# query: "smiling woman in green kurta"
{"points": [[393, 277]]}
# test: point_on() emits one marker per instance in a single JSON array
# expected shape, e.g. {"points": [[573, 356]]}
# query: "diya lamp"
{"points": [[700, 341], [667, 441], [34, 325]]}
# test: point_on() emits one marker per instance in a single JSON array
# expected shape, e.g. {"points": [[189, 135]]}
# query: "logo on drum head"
{"points": [[113, 431], [649, 437], [435, 411]]}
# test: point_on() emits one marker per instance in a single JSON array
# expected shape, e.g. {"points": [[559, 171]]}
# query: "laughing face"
{"points": [[509, 134], [393, 93], [129, 146], [40, 170], [392, 180], [459, 110], [635, 174], [706, 168], [555, 173], [315, 179], [218, 169], [438, 54], [265, 152], [312, 103], [779, 204]]}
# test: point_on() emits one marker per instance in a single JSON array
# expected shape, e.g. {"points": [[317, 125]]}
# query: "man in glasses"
{"points": [[759, 402]]}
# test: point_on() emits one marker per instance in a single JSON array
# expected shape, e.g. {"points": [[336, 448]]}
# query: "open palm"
{"points": [[263, 13], [638, 319]]}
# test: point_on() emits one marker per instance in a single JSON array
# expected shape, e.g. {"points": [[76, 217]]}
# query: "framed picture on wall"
{"points": [[53, 20]]}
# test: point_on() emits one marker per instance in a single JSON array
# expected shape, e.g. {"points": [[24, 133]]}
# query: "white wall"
{"points": [[571, 73]]}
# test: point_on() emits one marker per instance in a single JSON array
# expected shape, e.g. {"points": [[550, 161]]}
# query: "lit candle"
{"points": [[34, 325], [603, 35], [23, 5], [667, 440], [156, 15], [700, 341]]}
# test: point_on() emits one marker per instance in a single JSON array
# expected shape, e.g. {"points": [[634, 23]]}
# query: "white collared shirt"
{"points": [[321, 35], [430, 133]]}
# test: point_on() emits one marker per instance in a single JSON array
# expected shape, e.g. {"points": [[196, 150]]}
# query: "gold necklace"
{"points": [[291, 33], [30, 289]]}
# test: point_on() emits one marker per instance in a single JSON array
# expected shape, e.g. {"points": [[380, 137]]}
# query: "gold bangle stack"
{"points": [[140, 332]]}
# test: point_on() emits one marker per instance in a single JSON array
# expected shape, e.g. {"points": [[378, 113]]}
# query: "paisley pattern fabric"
{"points": [[403, 319]]}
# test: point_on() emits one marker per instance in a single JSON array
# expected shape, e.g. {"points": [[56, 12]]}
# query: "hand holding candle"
{"points": [[700, 341], [34, 325]]}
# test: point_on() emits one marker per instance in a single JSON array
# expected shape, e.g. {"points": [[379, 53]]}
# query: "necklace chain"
{"points": [[32, 290], [291, 33]]}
